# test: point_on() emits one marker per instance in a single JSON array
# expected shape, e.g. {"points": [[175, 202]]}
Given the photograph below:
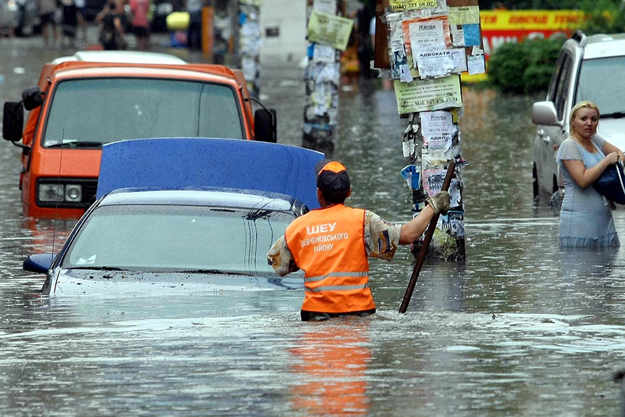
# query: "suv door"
{"points": [[549, 137]]}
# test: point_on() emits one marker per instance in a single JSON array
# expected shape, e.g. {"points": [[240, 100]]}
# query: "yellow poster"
{"points": [[330, 30], [401, 5], [428, 95], [468, 15]]}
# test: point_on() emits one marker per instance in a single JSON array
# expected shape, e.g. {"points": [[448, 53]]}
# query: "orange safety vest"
{"points": [[328, 244]]}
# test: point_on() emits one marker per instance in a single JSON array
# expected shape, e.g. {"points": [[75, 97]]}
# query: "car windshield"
{"points": [[91, 112], [601, 81], [177, 238]]}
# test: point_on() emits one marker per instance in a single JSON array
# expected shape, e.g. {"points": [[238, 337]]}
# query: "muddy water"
{"points": [[519, 329]]}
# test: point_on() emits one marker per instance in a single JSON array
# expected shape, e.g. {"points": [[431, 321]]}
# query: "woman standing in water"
{"points": [[586, 217]]}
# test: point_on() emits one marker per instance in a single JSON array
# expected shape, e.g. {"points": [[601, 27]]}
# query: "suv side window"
{"points": [[561, 88]]}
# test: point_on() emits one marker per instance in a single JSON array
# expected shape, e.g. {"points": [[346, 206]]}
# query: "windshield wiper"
{"points": [[615, 115], [98, 268], [212, 271], [257, 214], [76, 144]]}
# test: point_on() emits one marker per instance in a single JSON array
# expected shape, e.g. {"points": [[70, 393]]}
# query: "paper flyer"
{"points": [[323, 53], [467, 15], [422, 40], [428, 95], [433, 179], [459, 59], [325, 6], [402, 5], [434, 63], [457, 36], [433, 183], [471, 35], [436, 123], [330, 30], [426, 35], [438, 142], [476, 64]]}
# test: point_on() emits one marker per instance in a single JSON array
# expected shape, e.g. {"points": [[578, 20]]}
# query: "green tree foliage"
{"points": [[524, 67], [603, 16]]}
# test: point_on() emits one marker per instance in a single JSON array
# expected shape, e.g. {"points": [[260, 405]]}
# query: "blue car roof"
{"points": [[179, 163], [211, 197]]}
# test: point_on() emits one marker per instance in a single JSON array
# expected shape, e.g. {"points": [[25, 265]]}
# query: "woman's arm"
{"points": [[118, 25], [609, 148], [585, 177]]}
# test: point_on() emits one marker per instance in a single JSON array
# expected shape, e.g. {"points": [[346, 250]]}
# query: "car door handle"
{"points": [[541, 134]]}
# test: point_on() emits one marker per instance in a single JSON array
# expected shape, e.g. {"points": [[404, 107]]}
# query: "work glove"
{"points": [[439, 202]]}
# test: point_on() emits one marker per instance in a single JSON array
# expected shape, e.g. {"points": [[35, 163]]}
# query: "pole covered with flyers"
{"points": [[425, 47], [328, 35], [250, 42]]}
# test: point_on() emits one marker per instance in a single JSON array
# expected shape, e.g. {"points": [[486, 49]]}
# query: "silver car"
{"points": [[588, 68]]}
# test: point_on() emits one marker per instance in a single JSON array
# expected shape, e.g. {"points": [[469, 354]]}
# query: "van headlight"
{"points": [[73, 193], [69, 193], [65, 192], [51, 192]]}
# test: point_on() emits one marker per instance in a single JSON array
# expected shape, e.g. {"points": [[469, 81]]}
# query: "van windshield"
{"points": [[91, 112], [601, 81]]}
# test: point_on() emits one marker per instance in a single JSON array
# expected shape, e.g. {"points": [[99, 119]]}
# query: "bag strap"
{"points": [[618, 171]]}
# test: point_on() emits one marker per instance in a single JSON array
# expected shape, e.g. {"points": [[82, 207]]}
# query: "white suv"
{"points": [[588, 68]]}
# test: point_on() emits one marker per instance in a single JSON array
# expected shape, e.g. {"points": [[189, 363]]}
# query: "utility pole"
{"points": [[249, 43], [424, 46], [328, 34]]}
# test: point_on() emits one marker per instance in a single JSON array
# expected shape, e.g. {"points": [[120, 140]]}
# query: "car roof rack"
{"points": [[580, 37]]}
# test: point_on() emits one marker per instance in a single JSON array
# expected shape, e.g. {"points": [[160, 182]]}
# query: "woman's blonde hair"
{"points": [[581, 105]]}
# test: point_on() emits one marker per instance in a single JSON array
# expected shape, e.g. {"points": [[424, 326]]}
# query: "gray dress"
{"points": [[585, 218]]}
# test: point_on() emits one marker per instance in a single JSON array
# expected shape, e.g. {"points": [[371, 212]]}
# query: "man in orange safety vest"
{"points": [[332, 245]]}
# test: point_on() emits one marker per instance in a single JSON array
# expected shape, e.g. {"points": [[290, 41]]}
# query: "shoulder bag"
{"points": [[611, 183]]}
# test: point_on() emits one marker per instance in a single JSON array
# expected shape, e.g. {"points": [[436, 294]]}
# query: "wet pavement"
{"points": [[519, 329]]}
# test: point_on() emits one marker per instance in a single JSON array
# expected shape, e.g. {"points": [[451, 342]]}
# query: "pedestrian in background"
{"points": [[586, 217], [194, 33], [47, 15], [71, 19], [111, 28], [82, 7], [332, 245], [140, 23], [8, 19]]}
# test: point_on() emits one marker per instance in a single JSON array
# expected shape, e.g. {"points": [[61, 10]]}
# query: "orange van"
{"points": [[78, 106]]}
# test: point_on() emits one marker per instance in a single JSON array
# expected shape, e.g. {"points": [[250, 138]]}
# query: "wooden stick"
{"points": [[426, 243]]}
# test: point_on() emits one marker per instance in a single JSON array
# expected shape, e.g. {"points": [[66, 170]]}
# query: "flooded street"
{"points": [[519, 329]]}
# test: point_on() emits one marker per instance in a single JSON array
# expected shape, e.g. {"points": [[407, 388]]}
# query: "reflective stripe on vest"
{"points": [[328, 244], [338, 288], [336, 274]]}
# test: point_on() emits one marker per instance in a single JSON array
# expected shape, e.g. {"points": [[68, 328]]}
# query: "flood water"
{"points": [[519, 329]]}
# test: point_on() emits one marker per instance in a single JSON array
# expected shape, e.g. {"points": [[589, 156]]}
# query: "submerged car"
{"points": [[588, 68], [149, 241]]}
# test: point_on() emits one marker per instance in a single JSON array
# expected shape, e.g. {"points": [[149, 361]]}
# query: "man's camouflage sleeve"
{"points": [[381, 237]]}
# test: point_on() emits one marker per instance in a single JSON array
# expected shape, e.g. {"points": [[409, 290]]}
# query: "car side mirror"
{"points": [[39, 263], [32, 98], [13, 121], [265, 125], [544, 113]]}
